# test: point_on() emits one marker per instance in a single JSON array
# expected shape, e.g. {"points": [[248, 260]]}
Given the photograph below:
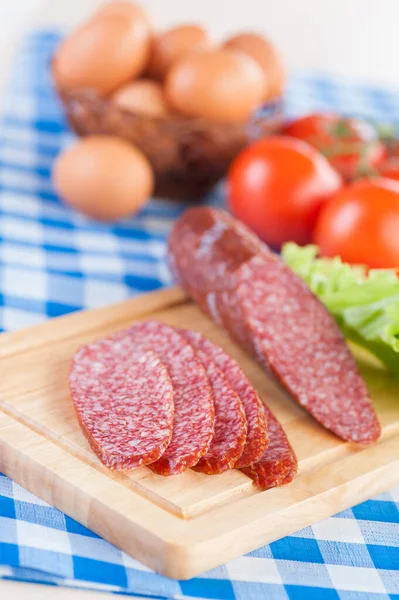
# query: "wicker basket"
{"points": [[189, 156]]}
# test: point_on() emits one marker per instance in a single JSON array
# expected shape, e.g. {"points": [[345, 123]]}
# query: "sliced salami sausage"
{"points": [[275, 460], [193, 425], [278, 465], [257, 432], [274, 315], [123, 398], [230, 421]]}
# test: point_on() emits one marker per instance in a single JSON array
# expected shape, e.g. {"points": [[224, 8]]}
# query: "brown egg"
{"points": [[266, 55], [174, 44], [117, 6], [221, 85], [105, 52], [142, 96], [103, 177]]}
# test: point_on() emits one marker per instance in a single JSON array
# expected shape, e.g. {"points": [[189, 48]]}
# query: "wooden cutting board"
{"points": [[182, 525]]}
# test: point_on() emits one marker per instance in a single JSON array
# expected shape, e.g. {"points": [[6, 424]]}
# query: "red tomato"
{"points": [[390, 168], [350, 145], [331, 126], [277, 187], [361, 224]]}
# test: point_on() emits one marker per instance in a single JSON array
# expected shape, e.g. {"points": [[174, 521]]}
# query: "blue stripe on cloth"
{"points": [[99, 571], [54, 261], [296, 592], [209, 588], [7, 507], [384, 557], [293, 548], [382, 511], [9, 554]]}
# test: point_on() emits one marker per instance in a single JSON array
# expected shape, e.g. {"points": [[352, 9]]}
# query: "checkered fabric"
{"points": [[54, 261]]}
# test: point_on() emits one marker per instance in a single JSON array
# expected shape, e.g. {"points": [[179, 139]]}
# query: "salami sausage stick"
{"points": [[271, 311]]}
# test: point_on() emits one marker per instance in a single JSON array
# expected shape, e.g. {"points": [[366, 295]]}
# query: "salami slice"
{"points": [[257, 432], [193, 426], [278, 465], [123, 398], [299, 341], [230, 421]]}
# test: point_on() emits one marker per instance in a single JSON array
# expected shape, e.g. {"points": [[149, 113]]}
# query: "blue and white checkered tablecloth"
{"points": [[54, 261]]}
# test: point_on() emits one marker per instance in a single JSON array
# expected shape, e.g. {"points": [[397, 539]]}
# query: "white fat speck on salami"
{"points": [[211, 302], [299, 340], [123, 398], [193, 425], [230, 421]]}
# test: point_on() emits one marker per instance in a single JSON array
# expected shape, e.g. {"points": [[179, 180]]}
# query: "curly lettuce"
{"points": [[364, 303]]}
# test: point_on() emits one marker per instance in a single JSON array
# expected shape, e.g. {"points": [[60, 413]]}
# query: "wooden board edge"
{"points": [[82, 321], [183, 549], [290, 520], [141, 529]]}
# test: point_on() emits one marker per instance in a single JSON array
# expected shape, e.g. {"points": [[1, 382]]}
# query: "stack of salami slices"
{"points": [[269, 310], [171, 399]]}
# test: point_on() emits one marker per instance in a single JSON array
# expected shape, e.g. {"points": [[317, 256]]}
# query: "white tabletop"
{"points": [[349, 38], [32, 591]]}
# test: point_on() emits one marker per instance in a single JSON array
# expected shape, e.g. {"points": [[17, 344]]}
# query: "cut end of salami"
{"points": [[171, 465], [278, 465], [124, 402]]}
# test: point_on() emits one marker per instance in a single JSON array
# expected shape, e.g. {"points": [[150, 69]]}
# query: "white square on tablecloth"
{"points": [[256, 570], [339, 530], [357, 579]]}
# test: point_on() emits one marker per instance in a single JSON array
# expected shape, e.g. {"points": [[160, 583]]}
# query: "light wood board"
{"points": [[182, 525]]}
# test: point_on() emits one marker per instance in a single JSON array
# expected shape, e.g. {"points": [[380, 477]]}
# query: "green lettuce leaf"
{"points": [[365, 304]]}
